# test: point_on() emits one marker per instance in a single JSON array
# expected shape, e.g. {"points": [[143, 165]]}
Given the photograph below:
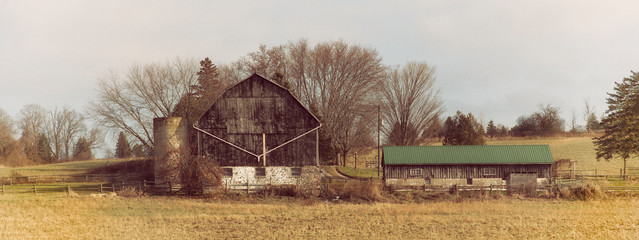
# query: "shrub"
{"points": [[199, 173], [129, 192], [586, 192], [362, 190]]}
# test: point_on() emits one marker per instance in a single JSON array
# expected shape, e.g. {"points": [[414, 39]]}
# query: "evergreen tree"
{"points": [[491, 130], [122, 147], [621, 122], [82, 150], [44, 149], [463, 130]]}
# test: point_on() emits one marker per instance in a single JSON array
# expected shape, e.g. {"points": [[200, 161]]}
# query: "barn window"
{"points": [[260, 172], [296, 172], [490, 171], [415, 171], [227, 172]]}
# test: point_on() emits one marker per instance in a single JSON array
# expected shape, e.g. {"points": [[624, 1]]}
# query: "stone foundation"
{"points": [[309, 179]]}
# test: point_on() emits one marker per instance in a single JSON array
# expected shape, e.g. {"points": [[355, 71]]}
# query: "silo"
{"points": [[171, 142]]}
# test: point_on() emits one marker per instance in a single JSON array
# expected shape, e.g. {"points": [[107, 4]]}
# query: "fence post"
{"points": [[101, 188], [68, 190], [247, 187], [2, 189], [113, 187], [170, 188], [140, 185], [491, 190], [35, 189]]}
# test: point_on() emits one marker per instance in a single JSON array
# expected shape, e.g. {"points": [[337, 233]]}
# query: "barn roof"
{"points": [[475, 154], [257, 76]]}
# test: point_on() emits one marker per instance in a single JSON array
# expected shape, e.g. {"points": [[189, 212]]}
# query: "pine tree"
{"points": [[621, 122], [463, 130], [122, 147], [491, 130], [82, 150]]}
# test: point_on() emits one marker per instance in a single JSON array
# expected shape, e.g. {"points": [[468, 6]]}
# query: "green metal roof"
{"points": [[474, 154]]}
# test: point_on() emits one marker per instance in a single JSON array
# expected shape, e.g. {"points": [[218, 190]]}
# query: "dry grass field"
{"points": [[179, 218]]}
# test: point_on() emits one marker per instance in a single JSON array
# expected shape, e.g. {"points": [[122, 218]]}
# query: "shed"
{"points": [[259, 132], [464, 165]]}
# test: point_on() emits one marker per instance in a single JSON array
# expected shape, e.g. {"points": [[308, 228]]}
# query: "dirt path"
{"points": [[332, 173]]}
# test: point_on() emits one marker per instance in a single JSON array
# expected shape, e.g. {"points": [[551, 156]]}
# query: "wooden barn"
{"points": [[260, 133], [465, 165]]}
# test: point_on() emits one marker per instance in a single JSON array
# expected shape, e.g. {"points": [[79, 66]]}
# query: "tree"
{"points": [[590, 116], [82, 150], [463, 130], [122, 147], [546, 122], [64, 127], [410, 104], [491, 129], [574, 128], [201, 94], [11, 151], [338, 80], [621, 122], [31, 122], [130, 103]]}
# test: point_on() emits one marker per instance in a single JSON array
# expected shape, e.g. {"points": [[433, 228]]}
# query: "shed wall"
{"points": [[464, 171]]}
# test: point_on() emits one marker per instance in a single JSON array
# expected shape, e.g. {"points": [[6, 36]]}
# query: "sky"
{"points": [[496, 59]]}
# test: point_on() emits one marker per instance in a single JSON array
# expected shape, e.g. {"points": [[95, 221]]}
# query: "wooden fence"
{"points": [[103, 183]]}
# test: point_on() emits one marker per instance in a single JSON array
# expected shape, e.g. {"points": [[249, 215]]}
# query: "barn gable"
{"points": [[232, 131]]}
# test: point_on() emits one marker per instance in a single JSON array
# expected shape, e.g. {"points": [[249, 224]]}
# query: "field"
{"points": [[56, 216], [178, 218], [67, 168]]}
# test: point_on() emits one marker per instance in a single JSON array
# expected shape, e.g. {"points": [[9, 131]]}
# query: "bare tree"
{"points": [[31, 122], [337, 81], [131, 102], [590, 116], [341, 81], [64, 127], [411, 104], [6, 135]]}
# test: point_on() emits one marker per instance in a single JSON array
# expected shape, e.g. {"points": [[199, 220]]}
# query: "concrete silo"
{"points": [[171, 141]]}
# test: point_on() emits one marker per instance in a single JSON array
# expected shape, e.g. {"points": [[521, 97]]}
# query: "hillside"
{"points": [[66, 168]]}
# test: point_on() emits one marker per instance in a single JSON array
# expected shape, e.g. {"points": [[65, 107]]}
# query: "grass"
{"points": [[66, 168], [360, 172], [580, 149], [178, 218]]}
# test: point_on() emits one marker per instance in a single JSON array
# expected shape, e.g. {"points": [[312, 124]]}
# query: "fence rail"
{"points": [[103, 183], [95, 178]]}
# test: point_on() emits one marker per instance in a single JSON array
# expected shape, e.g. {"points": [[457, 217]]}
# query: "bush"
{"points": [[586, 192], [199, 173], [362, 190]]}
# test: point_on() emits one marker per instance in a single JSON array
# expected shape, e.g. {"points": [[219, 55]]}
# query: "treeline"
{"points": [[343, 85], [39, 136], [466, 130], [346, 86]]}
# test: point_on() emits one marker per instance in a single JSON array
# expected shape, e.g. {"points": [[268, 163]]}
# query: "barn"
{"points": [[465, 165], [260, 133]]}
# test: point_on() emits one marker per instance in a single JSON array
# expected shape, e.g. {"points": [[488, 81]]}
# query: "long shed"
{"points": [[472, 165]]}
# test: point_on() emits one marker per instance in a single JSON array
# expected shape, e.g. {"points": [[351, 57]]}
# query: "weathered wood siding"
{"points": [[247, 110], [464, 171]]}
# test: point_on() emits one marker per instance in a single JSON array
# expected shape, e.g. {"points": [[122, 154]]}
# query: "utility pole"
{"points": [[379, 121]]}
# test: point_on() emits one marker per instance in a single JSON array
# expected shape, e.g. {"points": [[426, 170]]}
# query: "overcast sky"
{"points": [[496, 59]]}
